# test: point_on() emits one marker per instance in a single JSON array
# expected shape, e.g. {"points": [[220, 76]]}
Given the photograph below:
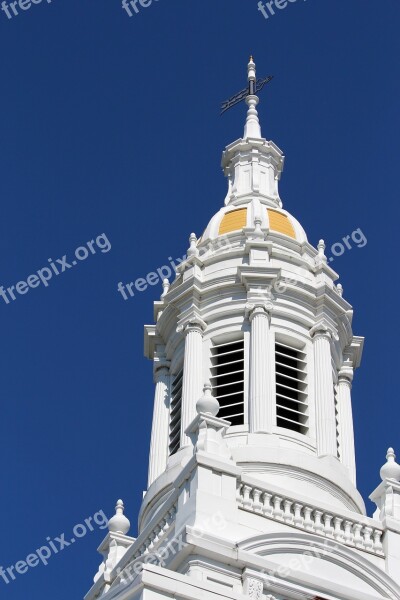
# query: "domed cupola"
{"points": [[253, 167]]}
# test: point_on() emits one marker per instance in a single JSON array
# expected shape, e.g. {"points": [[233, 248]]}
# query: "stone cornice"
{"points": [[258, 276], [354, 351], [151, 340], [121, 539], [256, 146]]}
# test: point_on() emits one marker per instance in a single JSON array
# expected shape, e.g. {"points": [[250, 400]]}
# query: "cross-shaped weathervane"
{"points": [[253, 87]]}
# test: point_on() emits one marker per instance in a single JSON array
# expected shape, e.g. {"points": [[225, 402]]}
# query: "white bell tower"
{"points": [[252, 478]]}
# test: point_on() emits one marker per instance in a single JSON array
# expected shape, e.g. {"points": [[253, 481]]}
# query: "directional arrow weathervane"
{"points": [[253, 88]]}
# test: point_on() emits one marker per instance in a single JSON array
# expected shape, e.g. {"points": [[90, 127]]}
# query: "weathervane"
{"points": [[252, 89]]}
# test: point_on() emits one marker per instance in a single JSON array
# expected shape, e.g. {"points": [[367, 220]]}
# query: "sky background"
{"points": [[111, 124]]}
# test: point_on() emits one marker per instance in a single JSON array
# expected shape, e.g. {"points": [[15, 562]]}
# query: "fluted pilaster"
{"points": [[160, 429], [345, 417], [261, 397], [192, 387], [324, 393]]}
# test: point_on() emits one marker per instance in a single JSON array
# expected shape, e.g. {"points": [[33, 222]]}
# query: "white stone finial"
{"points": [[252, 128], [207, 403], [321, 249], [339, 288], [251, 70], [390, 470], [257, 226], [165, 285], [193, 251], [119, 523]]}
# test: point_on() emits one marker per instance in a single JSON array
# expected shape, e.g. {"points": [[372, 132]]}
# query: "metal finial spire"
{"points": [[252, 128], [255, 85]]}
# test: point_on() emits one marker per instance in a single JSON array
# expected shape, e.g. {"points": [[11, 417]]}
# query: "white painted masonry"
{"points": [[281, 473], [324, 390], [159, 433], [261, 408]]}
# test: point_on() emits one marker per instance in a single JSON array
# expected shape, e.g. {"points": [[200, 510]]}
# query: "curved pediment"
{"points": [[301, 561]]}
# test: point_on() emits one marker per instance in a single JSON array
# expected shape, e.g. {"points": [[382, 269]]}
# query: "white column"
{"points": [[261, 397], [160, 430], [324, 393], [346, 428], [192, 386]]}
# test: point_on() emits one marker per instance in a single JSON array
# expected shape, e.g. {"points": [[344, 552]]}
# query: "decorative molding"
{"points": [[161, 366], [260, 302], [208, 435], [162, 369], [254, 588], [323, 329], [261, 307], [345, 376], [387, 499], [191, 322]]}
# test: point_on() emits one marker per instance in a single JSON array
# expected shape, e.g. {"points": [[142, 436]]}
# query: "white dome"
{"points": [[232, 219]]}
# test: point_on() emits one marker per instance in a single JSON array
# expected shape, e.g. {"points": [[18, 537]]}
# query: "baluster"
{"points": [[298, 519], [163, 525], [328, 529], [246, 496], [358, 541], [378, 541], [277, 512], [369, 544], [348, 533], [287, 515], [171, 515], [338, 533], [152, 538], [257, 506], [318, 526], [156, 537], [308, 522], [267, 507]]}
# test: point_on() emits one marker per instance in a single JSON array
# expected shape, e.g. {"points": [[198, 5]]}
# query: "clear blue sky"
{"points": [[111, 124]]}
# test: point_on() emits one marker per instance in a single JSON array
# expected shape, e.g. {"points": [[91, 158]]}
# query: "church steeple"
{"points": [[256, 468]]}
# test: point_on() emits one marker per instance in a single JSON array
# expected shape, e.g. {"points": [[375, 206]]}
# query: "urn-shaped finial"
{"points": [[119, 523], [207, 403], [390, 470]]}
